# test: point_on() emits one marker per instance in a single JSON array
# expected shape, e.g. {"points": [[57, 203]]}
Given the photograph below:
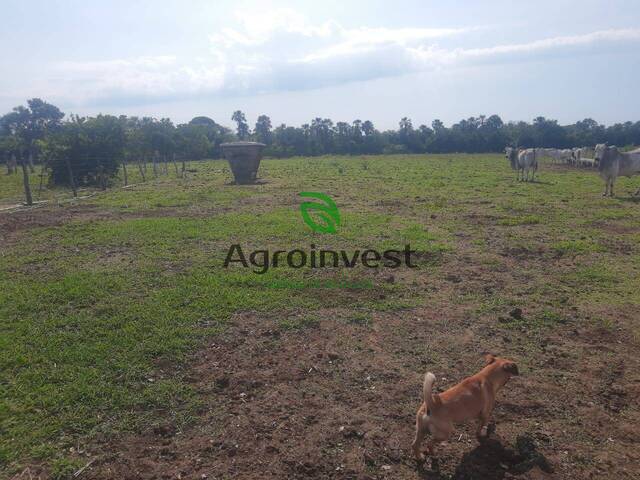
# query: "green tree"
{"points": [[8, 150], [242, 128], [437, 126], [87, 151], [203, 122], [28, 125], [192, 141], [263, 130]]}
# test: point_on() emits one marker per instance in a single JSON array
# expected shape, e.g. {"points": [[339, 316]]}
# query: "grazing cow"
{"points": [[565, 155], [550, 152], [558, 156], [588, 162], [524, 161], [562, 156], [576, 153], [580, 160], [612, 164]]}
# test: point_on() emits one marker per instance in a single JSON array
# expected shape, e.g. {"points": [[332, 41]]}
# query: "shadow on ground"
{"points": [[491, 460]]}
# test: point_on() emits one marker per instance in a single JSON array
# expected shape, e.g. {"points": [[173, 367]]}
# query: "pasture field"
{"points": [[126, 347]]}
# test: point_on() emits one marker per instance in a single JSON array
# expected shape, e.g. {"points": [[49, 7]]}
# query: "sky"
{"points": [[372, 60]]}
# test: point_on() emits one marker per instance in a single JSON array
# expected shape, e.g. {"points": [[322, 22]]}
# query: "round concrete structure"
{"points": [[244, 160]]}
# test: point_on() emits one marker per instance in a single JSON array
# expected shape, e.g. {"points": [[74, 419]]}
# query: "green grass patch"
{"points": [[64, 468], [300, 322], [599, 277], [576, 247]]}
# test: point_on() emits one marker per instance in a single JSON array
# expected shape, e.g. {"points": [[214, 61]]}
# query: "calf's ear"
{"points": [[489, 358], [512, 368]]}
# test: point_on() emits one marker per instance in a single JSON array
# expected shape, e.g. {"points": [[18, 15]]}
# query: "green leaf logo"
{"points": [[327, 212]]}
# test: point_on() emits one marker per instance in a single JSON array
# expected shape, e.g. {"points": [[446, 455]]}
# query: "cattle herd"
{"points": [[610, 162]]}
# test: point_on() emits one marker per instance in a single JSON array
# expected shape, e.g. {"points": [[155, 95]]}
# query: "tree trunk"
{"points": [[13, 164], [101, 178], [31, 167], [175, 164], [72, 181], [141, 171], [25, 179], [43, 172], [155, 167], [124, 169], [166, 165]]}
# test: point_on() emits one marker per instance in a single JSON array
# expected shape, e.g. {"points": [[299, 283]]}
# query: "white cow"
{"points": [[588, 162], [524, 161], [613, 164], [566, 154], [550, 152], [576, 153], [557, 155]]}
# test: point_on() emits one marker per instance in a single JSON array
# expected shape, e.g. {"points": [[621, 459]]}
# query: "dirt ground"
{"points": [[337, 400]]}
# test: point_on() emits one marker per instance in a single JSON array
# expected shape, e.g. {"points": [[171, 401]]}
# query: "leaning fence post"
{"points": [[124, 169], [72, 181]]}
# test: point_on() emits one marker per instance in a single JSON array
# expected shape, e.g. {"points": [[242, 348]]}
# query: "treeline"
{"points": [[473, 135], [81, 151]]}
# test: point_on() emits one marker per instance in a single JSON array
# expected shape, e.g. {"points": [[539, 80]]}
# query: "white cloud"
{"points": [[256, 28], [281, 50], [141, 79], [561, 45]]}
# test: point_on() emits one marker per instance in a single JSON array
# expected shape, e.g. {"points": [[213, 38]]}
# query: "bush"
{"points": [[93, 148]]}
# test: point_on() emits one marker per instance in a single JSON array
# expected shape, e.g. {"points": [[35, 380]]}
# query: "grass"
{"points": [[91, 308], [524, 220], [576, 247], [359, 318], [299, 322]]}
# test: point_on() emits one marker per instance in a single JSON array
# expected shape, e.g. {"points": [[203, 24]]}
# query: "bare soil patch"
{"points": [[617, 228], [338, 400]]}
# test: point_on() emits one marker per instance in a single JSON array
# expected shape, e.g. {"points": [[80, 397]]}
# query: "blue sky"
{"points": [[375, 60]]}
